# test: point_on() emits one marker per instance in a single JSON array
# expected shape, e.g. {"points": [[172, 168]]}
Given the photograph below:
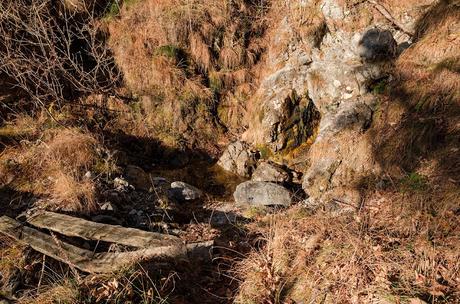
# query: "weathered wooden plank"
{"points": [[10, 227], [103, 262], [77, 227]]}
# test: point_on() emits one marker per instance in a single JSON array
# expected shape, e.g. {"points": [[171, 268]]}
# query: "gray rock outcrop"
{"points": [[239, 159], [314, 106]]}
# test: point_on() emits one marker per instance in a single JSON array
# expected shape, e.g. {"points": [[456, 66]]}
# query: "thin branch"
{"points": [[384, 11]]}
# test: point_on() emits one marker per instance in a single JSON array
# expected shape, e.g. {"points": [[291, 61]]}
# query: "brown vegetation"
{"points": [[190, 69], [55, 50], [396, 247], [187, 58], [53, 166], [421, 112]]}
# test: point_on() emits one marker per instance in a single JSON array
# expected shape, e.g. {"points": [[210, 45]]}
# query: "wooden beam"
{"points": [[88, 230], [85, 260]]}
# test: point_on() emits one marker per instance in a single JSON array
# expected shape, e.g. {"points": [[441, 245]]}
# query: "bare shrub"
{"points": [[55, 50]]}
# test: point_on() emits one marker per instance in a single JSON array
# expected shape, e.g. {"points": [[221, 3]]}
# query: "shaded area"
{"points": [[202, 281]]}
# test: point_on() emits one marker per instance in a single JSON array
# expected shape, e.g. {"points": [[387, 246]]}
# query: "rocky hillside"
{"points": [[314, 143]]}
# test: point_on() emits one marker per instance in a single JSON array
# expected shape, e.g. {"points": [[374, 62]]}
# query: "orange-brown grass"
{"points": [[200, 51], [11, 258], [397, 247], [60, 292], [173, 51], [54, 166], [429, 71], [425, 96], [206, 32]]}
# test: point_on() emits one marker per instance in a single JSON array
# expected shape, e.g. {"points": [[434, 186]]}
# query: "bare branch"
{"points": [[54, 54]]}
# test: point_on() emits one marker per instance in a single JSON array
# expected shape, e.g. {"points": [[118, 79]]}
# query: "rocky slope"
{"points": [[315, 142], [297, 81]]}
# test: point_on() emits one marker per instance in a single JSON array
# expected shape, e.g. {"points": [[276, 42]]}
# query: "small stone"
{"points": [[137, 177], [184, 192], [107, 206], [262, 194], [88, 175], [270, 172], [347, 96], [120, 184]]}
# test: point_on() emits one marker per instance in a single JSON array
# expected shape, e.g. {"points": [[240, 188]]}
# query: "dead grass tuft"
{"points": [[434, 59], [54, 166], [62, 292], [200, 52], [11, 259]]}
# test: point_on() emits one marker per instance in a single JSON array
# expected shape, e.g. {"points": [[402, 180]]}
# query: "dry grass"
{"points": [[198, 34], [399, 246], [434, 59], [187, 56], [54, 166], [11, 258], [421, 115], [62, 292]]}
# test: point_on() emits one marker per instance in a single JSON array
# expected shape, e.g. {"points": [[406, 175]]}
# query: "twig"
{"points": [[41, 274], [384, 11], [65, 257]]}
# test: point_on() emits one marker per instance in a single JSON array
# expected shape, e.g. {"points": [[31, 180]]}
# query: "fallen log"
{"points": [[88, 261], [88, 230]]}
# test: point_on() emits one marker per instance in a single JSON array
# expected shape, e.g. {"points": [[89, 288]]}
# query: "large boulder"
{"points": [[262, 194], [270, 172], [239, 159], [285, 116]]}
